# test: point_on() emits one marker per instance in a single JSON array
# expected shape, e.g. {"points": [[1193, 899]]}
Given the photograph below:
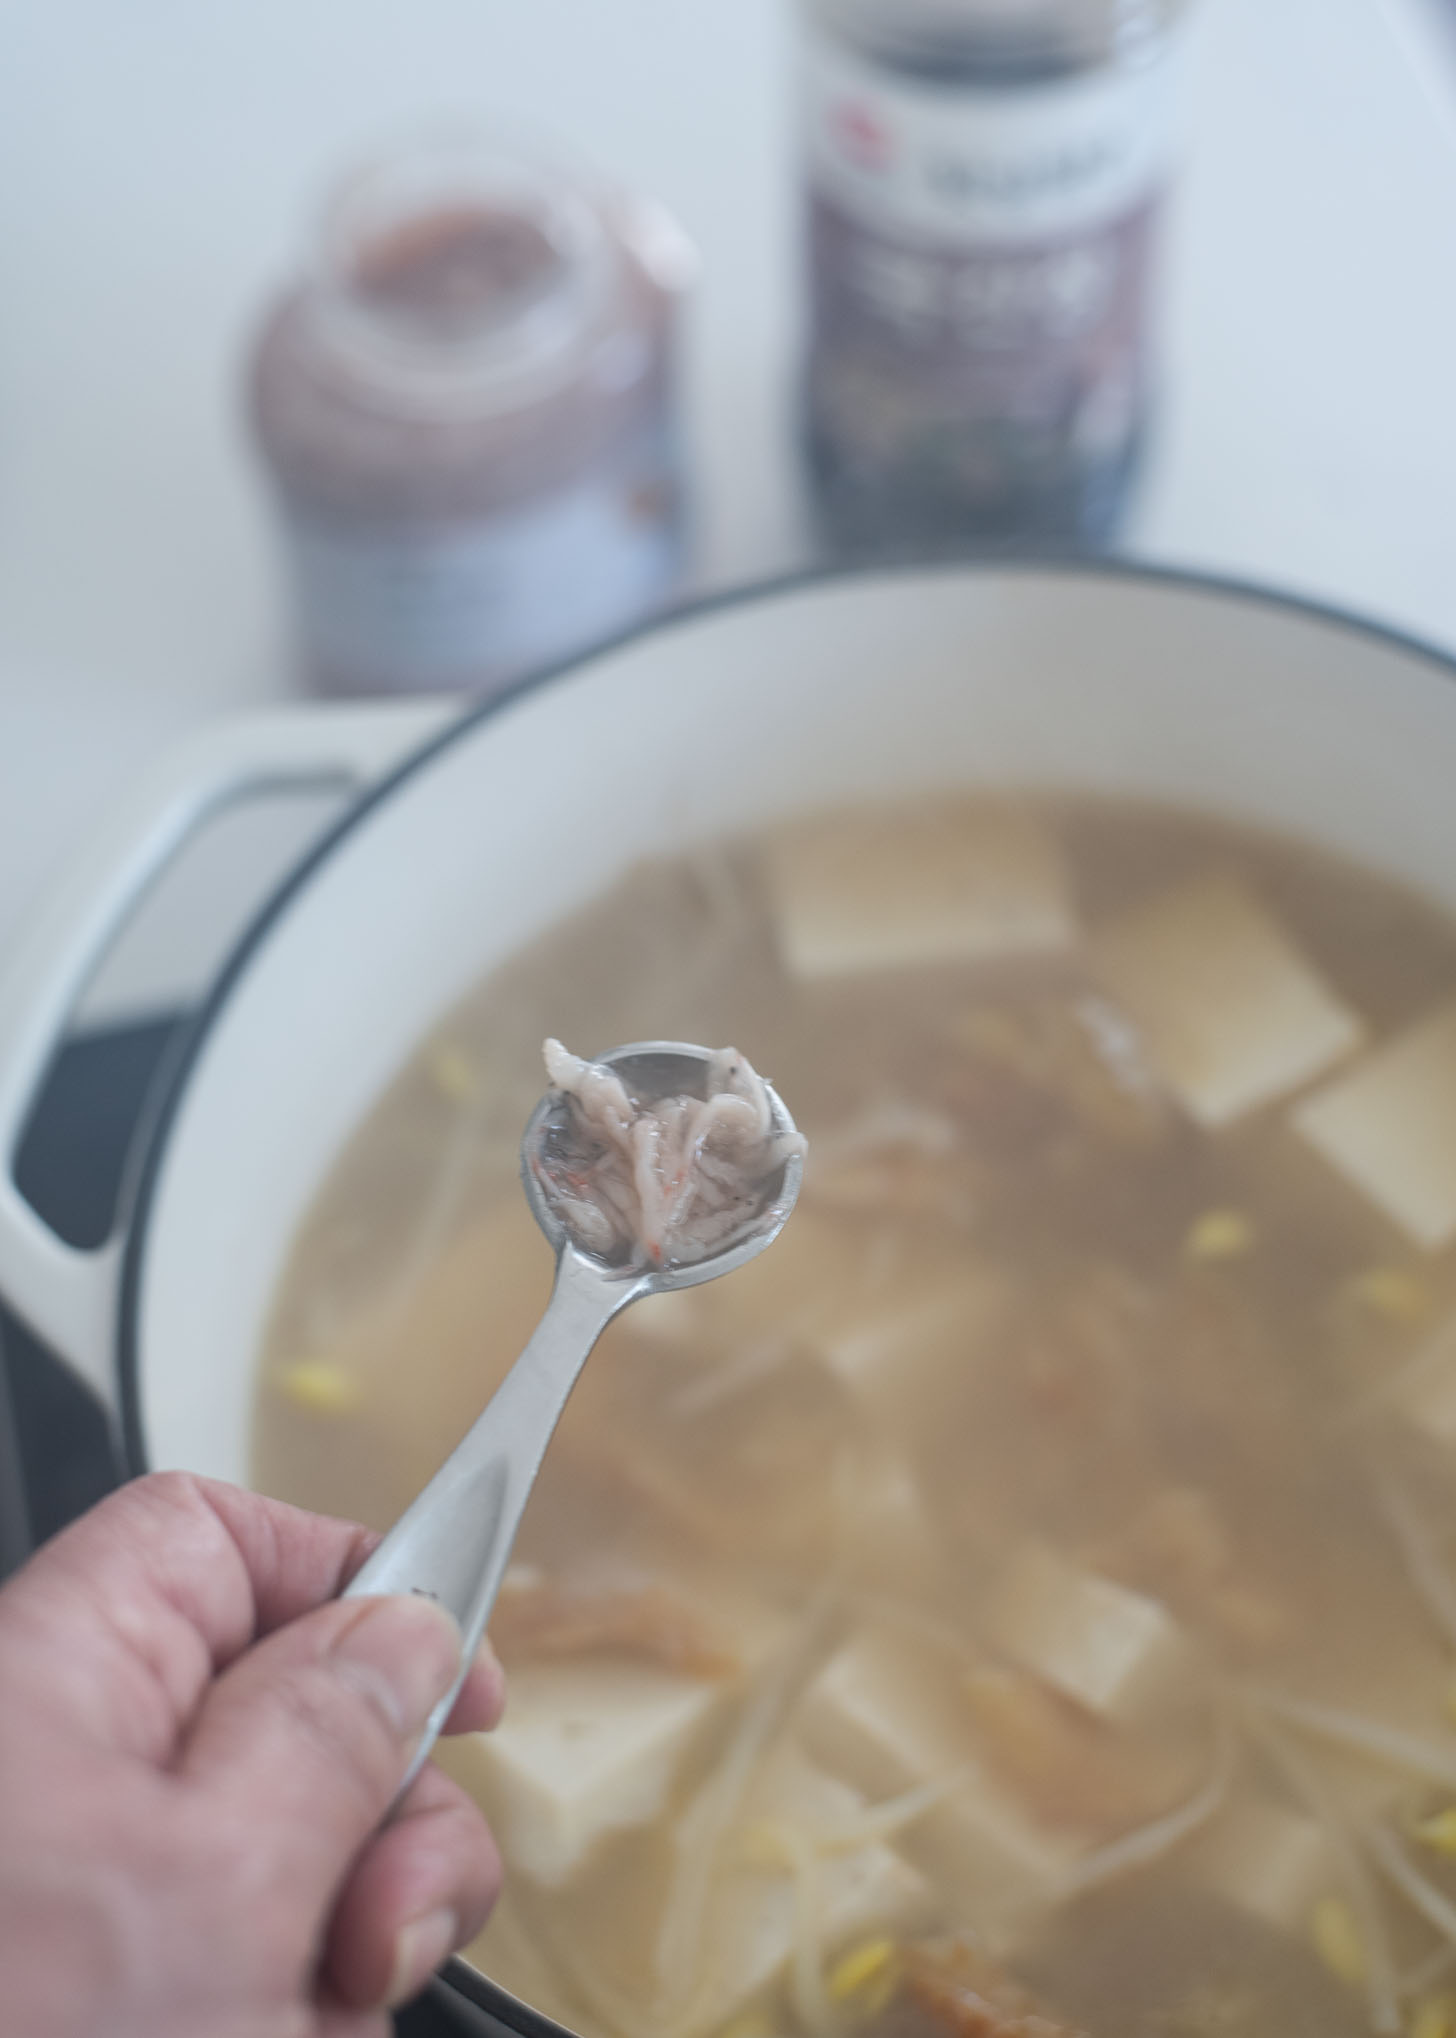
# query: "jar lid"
{"points": [[454, 271], [940, 34]]}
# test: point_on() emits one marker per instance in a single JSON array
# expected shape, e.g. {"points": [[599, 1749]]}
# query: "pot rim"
{"points": [[153, 1136]]}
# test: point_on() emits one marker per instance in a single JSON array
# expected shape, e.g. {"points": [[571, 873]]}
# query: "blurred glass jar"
{"points": [[467, 406], [984, 182]]}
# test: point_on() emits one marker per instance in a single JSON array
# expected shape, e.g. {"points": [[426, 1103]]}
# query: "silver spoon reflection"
{"points": [[453, 1543]]}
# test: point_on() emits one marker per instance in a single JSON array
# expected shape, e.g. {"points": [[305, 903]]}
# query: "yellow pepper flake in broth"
{"points": [[1438, 1832], [1337, 1940], [762, 1845], [318, 1386], [1433, 2017], [1219, 1235], [866, 1977], [1393, 1293], [453, 1073]]}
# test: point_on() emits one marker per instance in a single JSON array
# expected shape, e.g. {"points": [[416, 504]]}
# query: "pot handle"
{"points": [[65, 1294]]}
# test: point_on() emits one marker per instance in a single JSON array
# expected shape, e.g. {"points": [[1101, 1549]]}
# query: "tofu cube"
{"points": [[1114, 1651], [678, 1317], [884, 1715], [1423, 1393], [1389, 1127], [888, 1536], [944, 885], [891, 1344], [1231, 1014], [586, 1748], [1266, 1860]]}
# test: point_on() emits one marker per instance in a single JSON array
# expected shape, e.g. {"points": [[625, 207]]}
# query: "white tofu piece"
{"points": [[888, 1536], [891, 891], [1268, 1861], [888, 1348], [1424, 1392], [1389, 1127], [884, 1714], [586, 1748], [1117, 1652], [677, 1317], [1229, 1011], [750, 1934]]}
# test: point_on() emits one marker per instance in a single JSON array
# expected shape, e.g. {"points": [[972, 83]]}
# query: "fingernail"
{"points": [[404, 1653], [418, 1951]]}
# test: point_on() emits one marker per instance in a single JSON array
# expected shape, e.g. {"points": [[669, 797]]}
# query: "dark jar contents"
{"points": [[984, 180], [467, 407]]}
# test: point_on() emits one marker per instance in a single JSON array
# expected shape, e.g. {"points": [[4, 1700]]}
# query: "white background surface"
{"points": [[158, 159]]}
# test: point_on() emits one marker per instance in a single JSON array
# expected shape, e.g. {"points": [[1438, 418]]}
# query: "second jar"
{"points": [[466, 405]]}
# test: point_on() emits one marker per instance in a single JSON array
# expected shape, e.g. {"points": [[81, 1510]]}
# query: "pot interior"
{"points": [[900, 690], [876, 687]]}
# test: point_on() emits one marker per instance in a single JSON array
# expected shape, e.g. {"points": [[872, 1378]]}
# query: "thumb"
{"points": [[301, 1745]]}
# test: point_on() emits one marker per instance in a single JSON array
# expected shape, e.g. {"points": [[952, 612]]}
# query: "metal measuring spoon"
{"points": [[453, 1542]]}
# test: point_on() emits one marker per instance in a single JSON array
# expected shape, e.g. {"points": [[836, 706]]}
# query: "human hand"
{"points": [[198, 1741]]}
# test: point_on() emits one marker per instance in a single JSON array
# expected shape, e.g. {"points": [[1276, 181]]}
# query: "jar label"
{"points": [[944, 163], [427, 607], [1014, 311]]}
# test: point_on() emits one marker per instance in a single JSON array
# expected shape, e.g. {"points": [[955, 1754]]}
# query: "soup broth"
{"points": [[1023, 1600]]}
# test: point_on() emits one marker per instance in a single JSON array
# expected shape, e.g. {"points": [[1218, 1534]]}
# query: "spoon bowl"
{"points": [[651, 1070]]}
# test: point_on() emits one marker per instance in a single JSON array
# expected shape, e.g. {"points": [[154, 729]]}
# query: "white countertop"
{"points": [[157, 162]]}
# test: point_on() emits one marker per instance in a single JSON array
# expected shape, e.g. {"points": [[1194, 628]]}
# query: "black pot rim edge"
{"points": [[509, 2010]]}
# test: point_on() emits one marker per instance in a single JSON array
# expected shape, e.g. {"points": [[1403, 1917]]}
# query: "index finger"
{"points": [[115, 1628], [133, 1609], [291, 1554]]}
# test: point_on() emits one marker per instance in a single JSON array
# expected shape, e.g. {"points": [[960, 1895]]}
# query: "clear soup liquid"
{"points": [[1023, 1601]]}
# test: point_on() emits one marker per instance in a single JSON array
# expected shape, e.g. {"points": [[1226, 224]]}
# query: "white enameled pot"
{"points": [[496, 823]]}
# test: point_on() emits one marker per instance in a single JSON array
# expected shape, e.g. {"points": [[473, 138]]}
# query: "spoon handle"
{"points": [[453, 1542]]}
